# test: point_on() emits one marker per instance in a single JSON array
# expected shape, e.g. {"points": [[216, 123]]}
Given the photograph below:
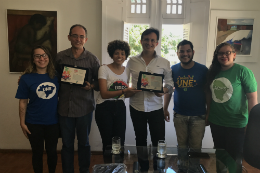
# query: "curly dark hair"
{"points": [[32, 67], [215, 67], [118, 44]]}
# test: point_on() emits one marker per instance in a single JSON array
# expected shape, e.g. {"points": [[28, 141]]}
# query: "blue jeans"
{"points": [[82, 126], [190, 132]]}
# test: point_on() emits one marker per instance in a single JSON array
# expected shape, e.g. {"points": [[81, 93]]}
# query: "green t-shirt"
{"points": [[229, 105]]}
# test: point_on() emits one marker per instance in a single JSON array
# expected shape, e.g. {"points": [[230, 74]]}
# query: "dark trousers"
{"points": [[111, 121], [228, 138], [156, 122], [40, 134], [70, 126]]}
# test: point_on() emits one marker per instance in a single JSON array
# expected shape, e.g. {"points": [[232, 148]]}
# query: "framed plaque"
{"points": [[74, 75], [150, 82]]}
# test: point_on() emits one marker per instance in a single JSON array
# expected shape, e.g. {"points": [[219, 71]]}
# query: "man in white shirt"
{"points": [[147, 107]]}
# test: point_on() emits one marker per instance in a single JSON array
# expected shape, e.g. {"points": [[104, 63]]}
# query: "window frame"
{"points": [[173, 16], [138, 15]]}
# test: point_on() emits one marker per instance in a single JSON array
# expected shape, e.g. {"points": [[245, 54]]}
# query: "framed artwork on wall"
{"points": [[238, 28], [26, 29]]}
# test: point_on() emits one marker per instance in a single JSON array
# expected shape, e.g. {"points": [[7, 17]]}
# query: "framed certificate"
{"points": [[74, 75], [150, 82]]}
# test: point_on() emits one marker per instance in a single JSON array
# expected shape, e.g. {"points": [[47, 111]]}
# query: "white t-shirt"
{"points": [[114, 82]]}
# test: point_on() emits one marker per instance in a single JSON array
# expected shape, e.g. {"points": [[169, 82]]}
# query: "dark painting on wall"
{"points": [[26, 29]]}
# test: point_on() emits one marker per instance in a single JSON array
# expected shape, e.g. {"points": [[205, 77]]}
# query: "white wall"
{"points": [[85, 12]]}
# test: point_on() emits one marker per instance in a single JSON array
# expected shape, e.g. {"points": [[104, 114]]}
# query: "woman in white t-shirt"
{"points": [[113, 80]]}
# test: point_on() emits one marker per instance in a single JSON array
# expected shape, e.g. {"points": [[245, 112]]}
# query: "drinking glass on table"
{"points": [[116, 145], [161, 149]]}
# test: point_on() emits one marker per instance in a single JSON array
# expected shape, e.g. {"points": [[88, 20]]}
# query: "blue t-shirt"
{"points": [[189, 97], [42, 92]]}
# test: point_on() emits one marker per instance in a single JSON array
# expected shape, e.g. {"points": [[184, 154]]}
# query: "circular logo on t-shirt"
{"points": [[117, 85], [222, 90], [46, 90]]}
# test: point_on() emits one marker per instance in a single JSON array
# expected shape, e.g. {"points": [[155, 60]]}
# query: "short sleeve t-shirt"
{"points": [[229, 105], [114, 82], [42, 92], [189, 96]]}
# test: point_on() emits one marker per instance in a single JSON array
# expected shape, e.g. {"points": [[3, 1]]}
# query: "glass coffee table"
{"points": [[145, 159]]}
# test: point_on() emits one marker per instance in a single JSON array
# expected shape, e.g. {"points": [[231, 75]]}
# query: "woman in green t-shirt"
{"points": [[232, 92]]}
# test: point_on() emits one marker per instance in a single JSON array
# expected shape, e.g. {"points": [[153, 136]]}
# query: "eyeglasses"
{"points": [[225, 53], [38, 56], [148, 40], [76, 36]]}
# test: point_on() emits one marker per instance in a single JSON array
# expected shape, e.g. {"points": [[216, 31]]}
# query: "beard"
{"points": [[186, 63]]}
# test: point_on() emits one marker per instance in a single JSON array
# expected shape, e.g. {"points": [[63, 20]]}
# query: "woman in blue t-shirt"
{"points": [[38, 118]]}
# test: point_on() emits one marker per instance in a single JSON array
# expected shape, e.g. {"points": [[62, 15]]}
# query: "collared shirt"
{"points": [[74, 101], [148, 101]]}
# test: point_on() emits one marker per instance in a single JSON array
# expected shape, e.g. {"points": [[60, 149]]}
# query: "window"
{"points": [[138, 8], [159, 13], [173, 8], [171, 36], [116, 15], [133, 36]]}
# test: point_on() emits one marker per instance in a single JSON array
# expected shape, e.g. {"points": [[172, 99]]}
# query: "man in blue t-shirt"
{"points": [[189, 104]]}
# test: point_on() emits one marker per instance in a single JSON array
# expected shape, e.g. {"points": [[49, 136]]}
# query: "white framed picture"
{"points": [[239, 28]]}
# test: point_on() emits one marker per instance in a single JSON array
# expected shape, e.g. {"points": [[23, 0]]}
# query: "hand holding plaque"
{"points": [[150, 82], [74, 75]]}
